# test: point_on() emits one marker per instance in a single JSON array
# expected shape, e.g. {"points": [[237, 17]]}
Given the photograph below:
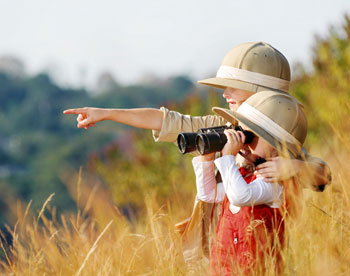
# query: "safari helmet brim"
{"points": [[276, 117]]}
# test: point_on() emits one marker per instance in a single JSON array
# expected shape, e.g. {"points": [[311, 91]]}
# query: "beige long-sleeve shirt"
{"points": [[175, 123]]}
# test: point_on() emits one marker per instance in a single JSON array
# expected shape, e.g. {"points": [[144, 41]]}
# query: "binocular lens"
{"points": [[210, 142], [201, 144], [186, 142]]}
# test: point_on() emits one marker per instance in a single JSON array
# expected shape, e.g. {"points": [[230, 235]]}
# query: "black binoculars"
{"points": [[208, 140]]}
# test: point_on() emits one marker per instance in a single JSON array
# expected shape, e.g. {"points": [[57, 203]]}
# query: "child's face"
{"points": [[259, 147], [235, 97]]}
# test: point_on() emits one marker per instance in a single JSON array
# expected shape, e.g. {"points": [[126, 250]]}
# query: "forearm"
{"points": [[309, 171], [235, 186], [147, 118], [239, 192], [205, 181]]}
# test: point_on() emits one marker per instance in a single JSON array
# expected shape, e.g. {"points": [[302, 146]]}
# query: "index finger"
{"points": [[242, 136], [228, 136], [75, 111], [229, 133]]}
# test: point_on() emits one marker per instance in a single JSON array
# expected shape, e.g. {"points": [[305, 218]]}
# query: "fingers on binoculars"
{"points": [[234, 136]]}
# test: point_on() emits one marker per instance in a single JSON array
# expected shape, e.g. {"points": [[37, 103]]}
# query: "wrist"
{"points": [[225, 159], [207, 157], [234, 153], [109, 114]]}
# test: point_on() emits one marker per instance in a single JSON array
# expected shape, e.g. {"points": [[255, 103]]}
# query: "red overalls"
{"points": [[244, 239]]}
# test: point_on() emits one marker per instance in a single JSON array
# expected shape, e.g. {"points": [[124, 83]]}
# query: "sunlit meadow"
{"points": [[100, 238]]}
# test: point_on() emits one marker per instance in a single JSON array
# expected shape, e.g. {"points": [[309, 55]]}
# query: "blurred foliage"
{"points": [[325, 90], [127, 173], [136, 166], [38, 144]]}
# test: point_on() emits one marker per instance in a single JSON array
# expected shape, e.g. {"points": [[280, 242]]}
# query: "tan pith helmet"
{"points": [[276, 117], [254, 67]]}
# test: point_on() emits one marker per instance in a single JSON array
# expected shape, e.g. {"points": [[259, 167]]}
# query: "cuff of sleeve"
{"points": [[196, 160], [157, 134], [172, 125], [200, 166], [224, 161], [164, 134]]}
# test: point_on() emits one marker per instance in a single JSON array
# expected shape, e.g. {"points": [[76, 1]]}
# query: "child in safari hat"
{"points": [[246, 69], [251, 223]]}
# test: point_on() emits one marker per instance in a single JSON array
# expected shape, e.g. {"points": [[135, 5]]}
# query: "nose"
{"points": [[225, 94]]}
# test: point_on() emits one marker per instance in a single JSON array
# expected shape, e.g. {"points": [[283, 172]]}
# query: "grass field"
{"points": [[99, 240]]}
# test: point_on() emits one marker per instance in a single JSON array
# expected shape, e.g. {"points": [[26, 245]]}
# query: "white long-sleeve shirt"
{"points": [[239, 193]]}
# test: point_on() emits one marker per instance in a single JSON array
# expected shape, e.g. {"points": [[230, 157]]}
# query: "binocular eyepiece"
{"points": [[208, 140]]}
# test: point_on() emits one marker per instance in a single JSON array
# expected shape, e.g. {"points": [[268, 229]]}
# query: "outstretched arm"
{"points": [[313, 172], [166, 124], [147, 118]]}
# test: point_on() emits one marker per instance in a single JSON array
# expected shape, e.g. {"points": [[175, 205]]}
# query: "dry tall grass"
{"points": [[98, 240]]}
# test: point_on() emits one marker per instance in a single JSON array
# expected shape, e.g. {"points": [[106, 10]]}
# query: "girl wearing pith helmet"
{"points": [[251, 223], [247, 68]]}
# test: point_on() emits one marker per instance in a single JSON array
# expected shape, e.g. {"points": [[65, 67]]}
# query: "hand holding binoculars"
{"points": [[208, 140]]}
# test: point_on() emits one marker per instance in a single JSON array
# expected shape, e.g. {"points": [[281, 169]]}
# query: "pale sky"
{"points": [[78, 39]]}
